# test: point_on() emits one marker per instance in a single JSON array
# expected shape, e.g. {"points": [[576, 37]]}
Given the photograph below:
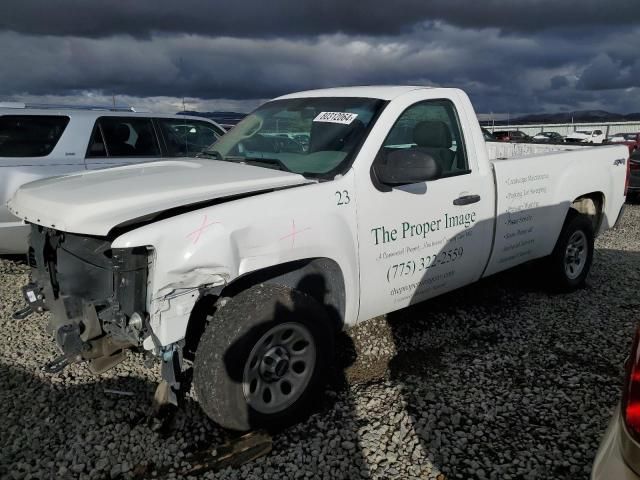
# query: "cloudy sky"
{"points": [[516, 56]]}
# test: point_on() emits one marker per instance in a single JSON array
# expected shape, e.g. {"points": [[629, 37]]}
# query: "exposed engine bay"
{"points": [[96, 294]]}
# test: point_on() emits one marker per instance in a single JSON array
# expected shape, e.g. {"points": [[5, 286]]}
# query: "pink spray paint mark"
{"points": [[294, 233], [196, 234]]}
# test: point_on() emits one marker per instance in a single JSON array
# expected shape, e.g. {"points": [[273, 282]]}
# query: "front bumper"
{"points": [[609, 463], [92, 292]]}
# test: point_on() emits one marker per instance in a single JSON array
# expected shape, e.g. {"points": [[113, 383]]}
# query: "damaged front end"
{"points": [[97, 296]]}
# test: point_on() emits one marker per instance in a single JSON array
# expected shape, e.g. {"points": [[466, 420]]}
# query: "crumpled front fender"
{"points": [[170, 306]]}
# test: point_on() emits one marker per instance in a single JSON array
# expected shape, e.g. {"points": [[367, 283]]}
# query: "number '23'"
{"points": [[343, 197]]}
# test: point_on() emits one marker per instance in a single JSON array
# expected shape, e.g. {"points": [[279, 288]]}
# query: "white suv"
{"points": [[45, 141]]}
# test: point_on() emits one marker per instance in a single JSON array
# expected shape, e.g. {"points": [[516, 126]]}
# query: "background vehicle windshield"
{"points": [[311, 136]]}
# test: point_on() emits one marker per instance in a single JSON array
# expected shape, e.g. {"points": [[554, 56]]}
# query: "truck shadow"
{"points": [[106, 422], [105, 427], [503, 378], [497, 378], [81, 416]]}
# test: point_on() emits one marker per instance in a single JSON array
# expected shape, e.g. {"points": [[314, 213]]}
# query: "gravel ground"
{"points": [[500, 380]]}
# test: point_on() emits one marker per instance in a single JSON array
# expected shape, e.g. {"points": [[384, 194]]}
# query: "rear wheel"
{"points": [[263, 359], [572, 256]]}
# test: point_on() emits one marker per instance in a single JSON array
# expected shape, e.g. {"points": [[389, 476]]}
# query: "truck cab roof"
{"points": [[382, 92]]}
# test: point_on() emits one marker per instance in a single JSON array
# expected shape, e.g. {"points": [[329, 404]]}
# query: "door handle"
{"points": [[466, 199]]}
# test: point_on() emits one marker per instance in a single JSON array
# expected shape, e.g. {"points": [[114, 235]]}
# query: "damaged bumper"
{"points": [[97, 296]]}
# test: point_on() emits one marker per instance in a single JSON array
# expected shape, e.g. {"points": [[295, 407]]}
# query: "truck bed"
{"points": [[534, 193], [505, 150]]}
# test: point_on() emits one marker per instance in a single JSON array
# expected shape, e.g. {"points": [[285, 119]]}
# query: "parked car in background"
{"points": [[512, 136], [634, 175], [49, 141], [277, 142], [585, 136], [623, 137], [631, 140], [618, 457], [227, 120], [488, 136], [302, 139], [548, 137]]}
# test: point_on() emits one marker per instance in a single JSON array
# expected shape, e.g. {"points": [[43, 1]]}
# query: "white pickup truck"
{"points": [[243, 263]]}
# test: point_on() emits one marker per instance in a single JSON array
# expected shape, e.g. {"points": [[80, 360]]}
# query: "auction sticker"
{"points": [[344, 118]]}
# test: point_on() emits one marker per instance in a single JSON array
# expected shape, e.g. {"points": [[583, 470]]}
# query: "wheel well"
{"points": [[591, 205], [320, 278]]}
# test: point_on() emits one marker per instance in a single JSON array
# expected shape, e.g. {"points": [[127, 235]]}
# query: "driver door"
{"points": [[423, 239]]}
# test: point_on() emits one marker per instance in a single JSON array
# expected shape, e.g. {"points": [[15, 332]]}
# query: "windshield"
{"points": [[311, 136]]}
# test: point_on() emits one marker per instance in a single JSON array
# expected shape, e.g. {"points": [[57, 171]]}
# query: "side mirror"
{"points": [[407, 166]]}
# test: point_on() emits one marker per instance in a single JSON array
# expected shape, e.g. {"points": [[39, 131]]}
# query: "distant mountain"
{"points": [[578, 116]]}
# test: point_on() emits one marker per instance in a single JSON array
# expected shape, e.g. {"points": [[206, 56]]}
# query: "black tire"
{"points": [[231, 336], [562, 280]]}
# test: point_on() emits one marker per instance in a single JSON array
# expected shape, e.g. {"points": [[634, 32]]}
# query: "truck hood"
{"points": [[92, 203]]}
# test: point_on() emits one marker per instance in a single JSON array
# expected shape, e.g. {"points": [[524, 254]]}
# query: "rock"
{"points": [[115, 470], [347, 445]]}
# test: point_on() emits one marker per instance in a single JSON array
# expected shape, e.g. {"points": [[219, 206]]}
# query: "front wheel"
{"points": [[572, 256], [263, 359]]}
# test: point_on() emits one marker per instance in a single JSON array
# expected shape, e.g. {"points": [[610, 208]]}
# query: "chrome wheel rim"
{"points": [[279, 368], [575, 255]]}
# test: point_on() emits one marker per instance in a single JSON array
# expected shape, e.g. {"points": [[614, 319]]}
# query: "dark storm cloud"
{"points": [[259, 18], [606, 73], [501, 72], [206, 67], [559, 81], [503, 53]]}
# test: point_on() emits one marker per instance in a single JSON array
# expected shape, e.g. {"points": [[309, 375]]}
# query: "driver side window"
{"points": [[430, 127]]}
